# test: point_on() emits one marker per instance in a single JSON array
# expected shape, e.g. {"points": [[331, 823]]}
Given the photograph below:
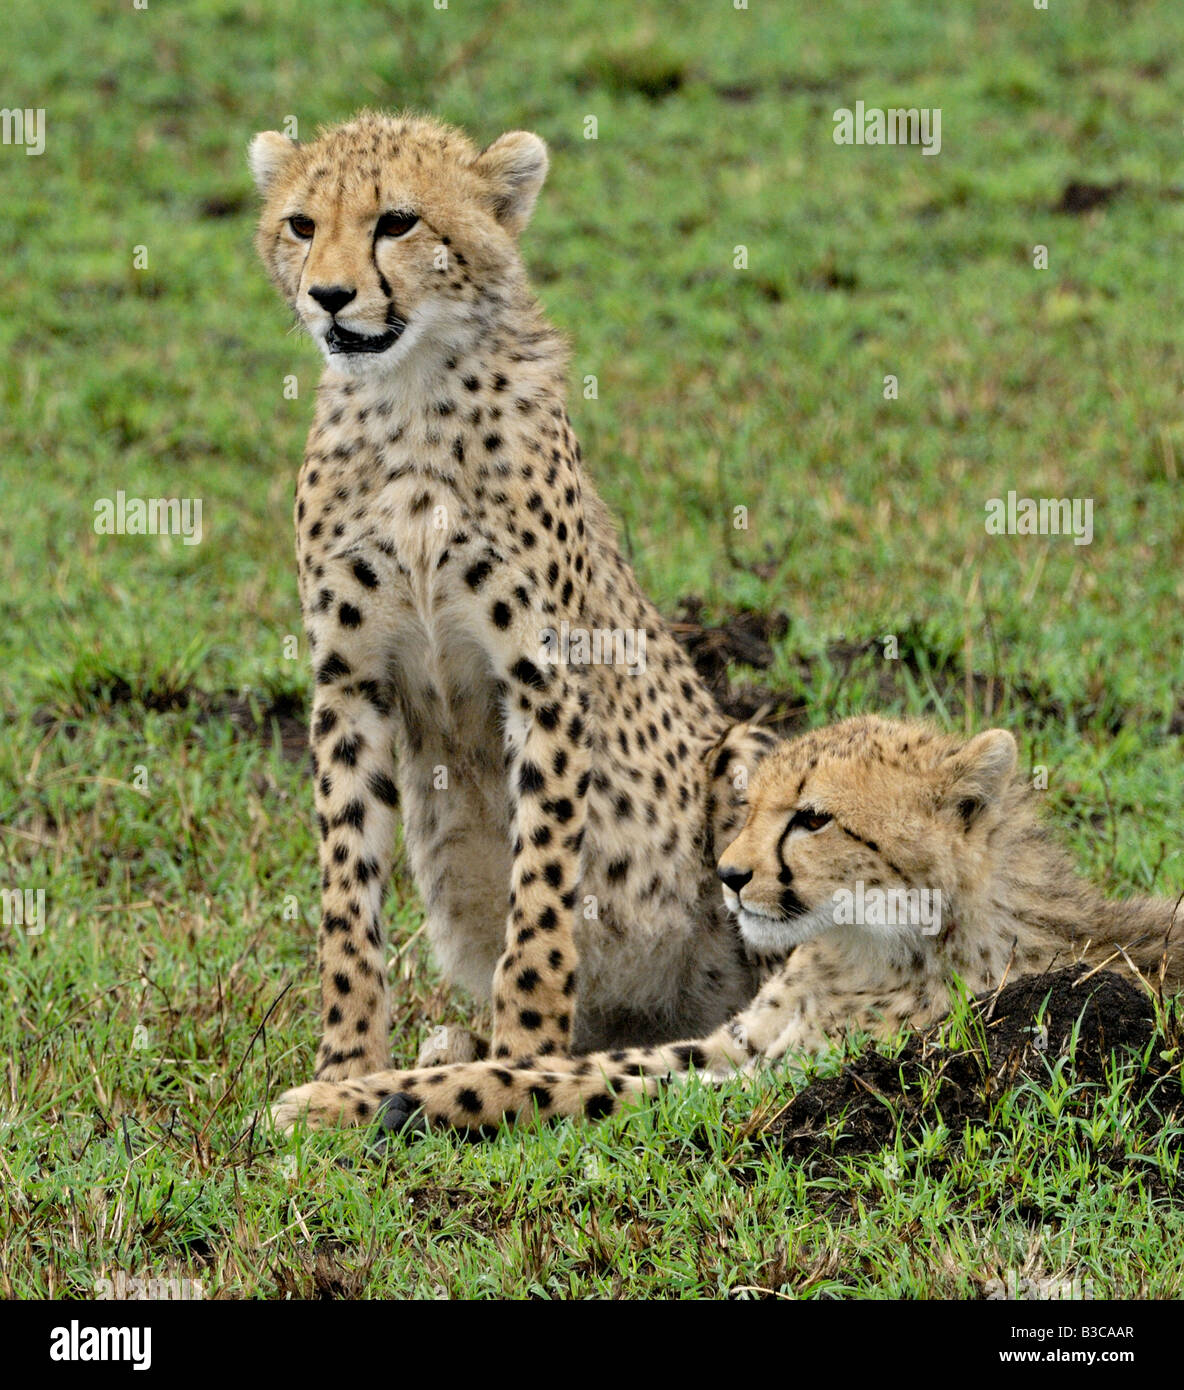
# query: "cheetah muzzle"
{"points": [[344, 341]]}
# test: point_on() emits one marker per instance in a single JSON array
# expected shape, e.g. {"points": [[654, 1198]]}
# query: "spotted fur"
{"points": [[557, 814], [869, 801]]}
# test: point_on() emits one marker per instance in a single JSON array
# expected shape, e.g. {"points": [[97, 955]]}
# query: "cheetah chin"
{"points": [[780, 934]]}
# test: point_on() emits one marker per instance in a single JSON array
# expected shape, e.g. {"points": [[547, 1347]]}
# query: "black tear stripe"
{"points": [[785, 874], [382, 280]]}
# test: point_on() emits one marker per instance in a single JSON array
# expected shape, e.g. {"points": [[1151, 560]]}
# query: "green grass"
{"points": [[177, 852]]}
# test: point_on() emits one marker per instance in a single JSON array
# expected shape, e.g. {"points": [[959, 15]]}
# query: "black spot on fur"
{"points": [[365, 575], [599, 1106], [477, 574], [346, 750], [691, 1056], [383, 788], [530, 778], [469, 1101], [331, 669], [528, 673]]}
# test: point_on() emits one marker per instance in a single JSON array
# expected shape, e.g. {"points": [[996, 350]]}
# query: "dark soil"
{"points": [[284, 713], [747, 638], [1079, 197], [256, 718], [858, 1110]]}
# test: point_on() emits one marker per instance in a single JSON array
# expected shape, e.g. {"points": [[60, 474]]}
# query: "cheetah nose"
{"points": [[735, 879], [331, 297]]}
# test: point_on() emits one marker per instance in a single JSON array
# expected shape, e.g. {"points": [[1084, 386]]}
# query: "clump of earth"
{"points": [[1026, 1027]]}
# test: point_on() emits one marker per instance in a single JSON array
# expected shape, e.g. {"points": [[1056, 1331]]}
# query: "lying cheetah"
{"points": [[838, 819], [457, 574]]}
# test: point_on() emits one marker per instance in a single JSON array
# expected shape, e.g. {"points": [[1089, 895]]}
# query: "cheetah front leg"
{"points": [[482, 1096], [354, 768], [534, 983]]}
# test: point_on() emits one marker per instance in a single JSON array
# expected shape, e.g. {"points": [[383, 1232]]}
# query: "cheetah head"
{"points": [[390, 232], [867, 804]]}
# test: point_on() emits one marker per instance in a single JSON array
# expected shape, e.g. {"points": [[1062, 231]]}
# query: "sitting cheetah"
{"points": [[839, 819], [458, 577]]}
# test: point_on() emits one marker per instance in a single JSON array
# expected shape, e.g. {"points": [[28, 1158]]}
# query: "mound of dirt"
{"points": [[745, 639], [858, 1110]]}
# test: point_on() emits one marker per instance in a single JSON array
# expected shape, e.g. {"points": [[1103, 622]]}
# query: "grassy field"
{"points": [[151, 704]]}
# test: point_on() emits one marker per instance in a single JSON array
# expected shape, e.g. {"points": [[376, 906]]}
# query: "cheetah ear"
{"points": [[267, 154], [977, 774], [514, 166]]}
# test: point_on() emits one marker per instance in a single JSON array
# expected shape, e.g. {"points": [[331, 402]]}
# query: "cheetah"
{"points": [[458, 576], [871, 812]]}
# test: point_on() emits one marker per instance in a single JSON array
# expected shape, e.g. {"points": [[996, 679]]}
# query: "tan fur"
{"points": [[870, 801], [557, 815]]}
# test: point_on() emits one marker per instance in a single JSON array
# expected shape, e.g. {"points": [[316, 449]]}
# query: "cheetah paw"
{"points": [[318, 1103]]}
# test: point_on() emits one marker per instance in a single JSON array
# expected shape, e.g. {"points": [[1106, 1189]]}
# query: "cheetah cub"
{"points": [[484, 658], [889, 859]]}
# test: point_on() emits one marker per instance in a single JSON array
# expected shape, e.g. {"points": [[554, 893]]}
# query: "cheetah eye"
{"points": [[395, 224], [302, 227], [810, 820]]}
